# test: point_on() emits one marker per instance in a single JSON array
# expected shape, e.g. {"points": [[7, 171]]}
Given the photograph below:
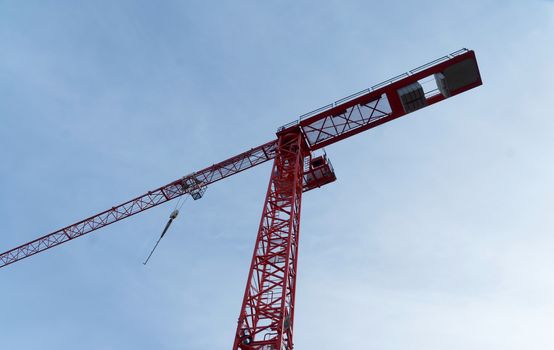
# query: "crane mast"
{"points": [[266, 319], [267, 314]]}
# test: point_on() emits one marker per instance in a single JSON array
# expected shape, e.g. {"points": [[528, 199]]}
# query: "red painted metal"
{"points": [[373, 107], [267, 314], [189, 184], [318, 172]]}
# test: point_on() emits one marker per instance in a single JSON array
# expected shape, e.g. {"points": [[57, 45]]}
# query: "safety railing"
{"points": [[373, 88]]}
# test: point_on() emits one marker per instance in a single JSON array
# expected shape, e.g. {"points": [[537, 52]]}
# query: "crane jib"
{"points": [[188, 185]]}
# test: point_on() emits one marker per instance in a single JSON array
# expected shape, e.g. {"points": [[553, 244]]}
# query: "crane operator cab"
{"points": [[318, 172]]}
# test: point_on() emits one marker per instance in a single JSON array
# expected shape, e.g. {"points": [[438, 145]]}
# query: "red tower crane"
{"points": [[266, 319]]}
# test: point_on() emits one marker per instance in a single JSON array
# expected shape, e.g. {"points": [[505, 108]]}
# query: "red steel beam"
{"points": [[186, 185], [378, 105], [267, 314]]}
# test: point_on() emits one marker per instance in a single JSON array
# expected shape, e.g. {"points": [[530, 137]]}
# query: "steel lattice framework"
{"points": [[267, 315], [190, 184], [323, 131]]}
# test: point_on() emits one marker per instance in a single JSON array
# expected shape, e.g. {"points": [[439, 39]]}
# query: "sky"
{"points": [[436, 235]]}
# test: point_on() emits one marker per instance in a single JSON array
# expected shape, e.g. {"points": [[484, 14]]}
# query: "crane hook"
{"points": [[172, 216]]}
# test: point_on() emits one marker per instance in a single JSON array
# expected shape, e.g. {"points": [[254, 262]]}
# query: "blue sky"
{"points": [[437, 234]]}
